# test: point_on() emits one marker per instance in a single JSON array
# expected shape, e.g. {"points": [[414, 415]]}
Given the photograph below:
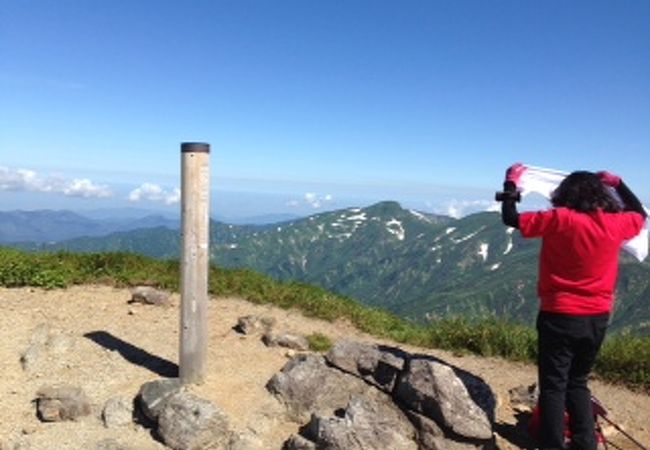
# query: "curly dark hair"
{"points": [[584, 192]]}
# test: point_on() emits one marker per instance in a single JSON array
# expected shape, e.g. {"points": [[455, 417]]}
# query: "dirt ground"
{"points": [[93, 326]]}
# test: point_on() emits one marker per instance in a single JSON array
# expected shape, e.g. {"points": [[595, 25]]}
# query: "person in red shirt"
{"points": [[581, 238]]}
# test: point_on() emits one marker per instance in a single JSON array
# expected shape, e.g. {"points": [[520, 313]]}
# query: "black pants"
{"points": [[567, 349]]}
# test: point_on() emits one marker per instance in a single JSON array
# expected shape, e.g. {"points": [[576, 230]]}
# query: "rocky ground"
{"points": [[110, 347]]}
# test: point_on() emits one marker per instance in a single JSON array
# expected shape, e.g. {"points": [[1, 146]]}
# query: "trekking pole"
{"points": [[627, 435]]}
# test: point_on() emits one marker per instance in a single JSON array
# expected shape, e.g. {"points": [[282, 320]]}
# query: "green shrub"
{"points": [[318, 342], [625, 359]]}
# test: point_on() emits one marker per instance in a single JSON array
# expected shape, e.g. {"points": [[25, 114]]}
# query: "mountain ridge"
{"points": [[415, 265]]}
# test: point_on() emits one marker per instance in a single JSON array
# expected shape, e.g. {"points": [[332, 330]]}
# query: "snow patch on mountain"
{"points": [[358, 217], [483, 251], [509, 232], [464, 238], [469, 236], [419, 215], [395, 228]]}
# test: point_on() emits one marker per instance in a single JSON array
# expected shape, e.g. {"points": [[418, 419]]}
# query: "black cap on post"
{"points": [[195, 147]]}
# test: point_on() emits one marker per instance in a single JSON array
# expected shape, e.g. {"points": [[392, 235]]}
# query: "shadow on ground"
{"points": [[516, 434], [134, 355]]}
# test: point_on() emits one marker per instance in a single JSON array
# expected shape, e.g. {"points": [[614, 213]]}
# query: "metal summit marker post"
{"points": [[195, 220]]}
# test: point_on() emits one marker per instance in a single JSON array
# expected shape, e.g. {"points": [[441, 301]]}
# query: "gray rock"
{"points": [[117, 412], [292, 341], [149, 296], [307, 385], [59, 403], [367, 424], [254, 324], [42, 342], [524, 398], [435, 390], [36, 348], [152, 396], [188, 422], [431, 437], [379, 366], [297, 442], [30, 356]]}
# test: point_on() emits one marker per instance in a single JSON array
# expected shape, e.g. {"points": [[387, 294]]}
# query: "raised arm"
{"points": [[631, 202], [509, 213]]}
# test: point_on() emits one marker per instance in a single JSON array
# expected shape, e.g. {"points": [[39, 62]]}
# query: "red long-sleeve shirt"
{"points": [[578, 265]]}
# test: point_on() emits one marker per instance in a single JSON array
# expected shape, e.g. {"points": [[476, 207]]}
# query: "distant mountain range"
{"points": [[417, 265], [54, 226]]}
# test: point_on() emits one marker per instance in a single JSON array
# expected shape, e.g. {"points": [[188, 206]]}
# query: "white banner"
{"points": [[544, 181]]}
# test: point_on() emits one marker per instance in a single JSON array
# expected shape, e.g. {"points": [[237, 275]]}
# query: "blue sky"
{"points": [[314, 105]]}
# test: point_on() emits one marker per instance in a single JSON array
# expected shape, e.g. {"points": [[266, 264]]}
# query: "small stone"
{"points": [[29, 429], [117, 412], [292, 341], [149, 296], [59, 403]]}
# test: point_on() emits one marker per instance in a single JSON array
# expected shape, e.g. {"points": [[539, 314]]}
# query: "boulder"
{"points": [[380, 366], [431, 437], [436, 390], [371, 396], [152, 396], [368, 423], [59, 403], [307, 385], [188, 422]]}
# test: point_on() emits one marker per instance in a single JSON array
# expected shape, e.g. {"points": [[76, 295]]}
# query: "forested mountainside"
{"points": [[416, 265]]}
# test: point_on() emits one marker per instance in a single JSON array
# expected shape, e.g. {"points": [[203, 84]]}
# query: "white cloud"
{"points": [[23, 180], [85, 188], [312, 200], [459, 208], [155, 193], [494, 207]]}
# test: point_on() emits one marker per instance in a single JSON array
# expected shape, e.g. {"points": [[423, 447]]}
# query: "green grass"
{"points": [[624, 359], [318, 342]]}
